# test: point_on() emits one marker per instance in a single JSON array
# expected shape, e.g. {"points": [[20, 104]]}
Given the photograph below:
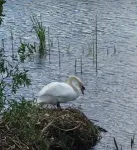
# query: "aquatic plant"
{"points": [[59, 51], [92, 46], [81, 65], [41, 35], [96, 31], [131, 144]]}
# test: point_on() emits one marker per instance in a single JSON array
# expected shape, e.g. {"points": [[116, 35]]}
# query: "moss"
{"points": [[26, 126]]}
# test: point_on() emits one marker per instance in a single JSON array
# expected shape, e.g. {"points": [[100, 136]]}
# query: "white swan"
{"points": [[60, 92]]}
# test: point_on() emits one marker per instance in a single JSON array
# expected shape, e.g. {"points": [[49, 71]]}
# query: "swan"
{"points": [[61, 92]]}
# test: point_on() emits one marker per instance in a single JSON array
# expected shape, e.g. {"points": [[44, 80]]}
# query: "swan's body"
{"points": [[60, 92]]}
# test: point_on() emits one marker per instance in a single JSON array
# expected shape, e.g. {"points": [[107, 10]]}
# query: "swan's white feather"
{"points": [[56, 92]]}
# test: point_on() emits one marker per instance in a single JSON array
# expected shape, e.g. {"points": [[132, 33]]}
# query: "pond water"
{"points": [[111, 94]]}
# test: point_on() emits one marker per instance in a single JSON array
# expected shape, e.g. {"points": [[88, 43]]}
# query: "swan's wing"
{"points": [[57, 89]]}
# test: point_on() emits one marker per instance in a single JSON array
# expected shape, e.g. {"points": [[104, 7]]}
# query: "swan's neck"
{"points": [[72, 85]]}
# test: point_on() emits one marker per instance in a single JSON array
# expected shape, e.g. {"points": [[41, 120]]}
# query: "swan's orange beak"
{"points": [[82, 89]]}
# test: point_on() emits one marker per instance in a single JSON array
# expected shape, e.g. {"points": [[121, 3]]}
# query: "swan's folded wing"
{"points": [[57, 89]]}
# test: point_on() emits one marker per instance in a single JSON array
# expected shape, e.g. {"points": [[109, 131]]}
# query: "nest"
{"points": [[29, 127]]}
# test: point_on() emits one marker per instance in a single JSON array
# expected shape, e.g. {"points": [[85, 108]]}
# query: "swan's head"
{"points": [[82, 88], [79, 82]]}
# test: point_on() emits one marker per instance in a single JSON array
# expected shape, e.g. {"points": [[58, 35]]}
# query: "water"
{"points": [[111, 95]]}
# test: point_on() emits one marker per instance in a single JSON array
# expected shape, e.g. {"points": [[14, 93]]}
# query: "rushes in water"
{"points": [[59, 51], [96, 45], [3, 45], [115, 142], [81, 64], [75, 66], [93, 48], [107, 51], [114, 49], [49, 46], [12, 43], [132, 141], [41, 34]]}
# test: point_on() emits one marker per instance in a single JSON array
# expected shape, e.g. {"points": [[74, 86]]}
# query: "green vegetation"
{"points": [[1, 10], [27, 126], [41, 34], [26, 50], [12, 76], [131, 144]]}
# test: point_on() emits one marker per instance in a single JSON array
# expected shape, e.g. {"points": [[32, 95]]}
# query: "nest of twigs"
{"points": [[29, 127]]}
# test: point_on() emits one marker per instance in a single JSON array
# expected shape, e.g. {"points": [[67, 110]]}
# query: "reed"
{"points": [[93, 48], [96, 46], [83, 51], [89, 50], [114, 49], [68, 50], [107, 51], [3, 45], [59, 51], [12, 44], [41, 35], [75, 65], [49, 45], [81, 64], [116, 145], [131, 144], [132, 141]]}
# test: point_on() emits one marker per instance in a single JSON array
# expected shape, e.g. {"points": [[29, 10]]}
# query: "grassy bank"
{"points": [[27, 126]]}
